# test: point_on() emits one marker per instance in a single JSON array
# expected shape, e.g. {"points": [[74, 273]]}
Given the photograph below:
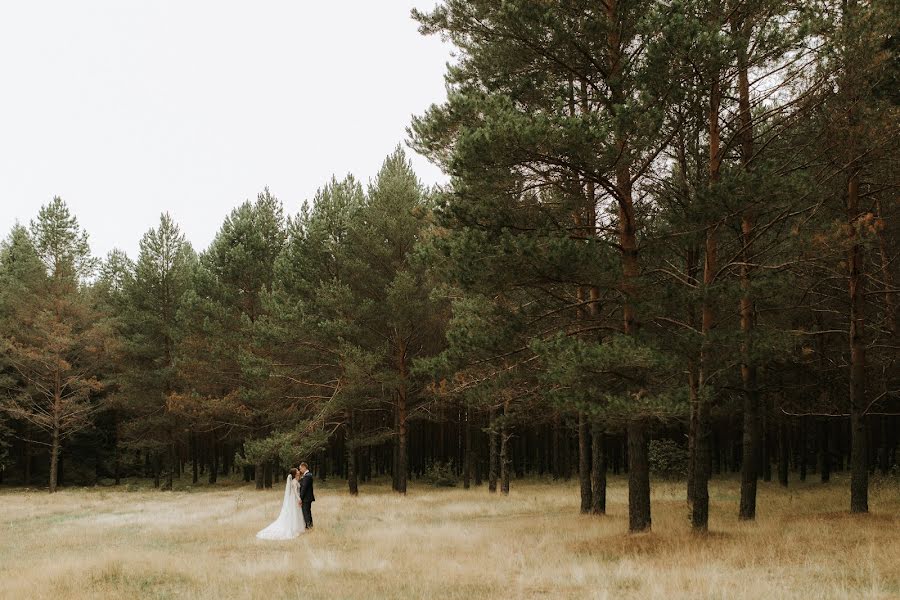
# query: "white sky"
{"points": [[127, 108]]}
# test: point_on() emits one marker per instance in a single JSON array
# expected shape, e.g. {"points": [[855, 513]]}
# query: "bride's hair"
{"points": [[294, 473]]}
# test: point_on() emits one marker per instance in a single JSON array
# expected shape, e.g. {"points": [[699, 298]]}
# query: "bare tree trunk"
{"points": [[783, 452], [638, 477], [156, 465], [26, 460], [54, 459], [493, 460], [859, 473], [213, 470], [267, 469], [505, 462], [170, 468], [467, 469], [584, 463], [401, 466], [555, 453], [692, 430], [195, 459], [598, 471], [352, 478], [701, 460], [750, 439]]}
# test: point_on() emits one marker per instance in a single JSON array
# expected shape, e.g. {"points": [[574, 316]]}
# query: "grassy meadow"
{"points": [[132, 542]]}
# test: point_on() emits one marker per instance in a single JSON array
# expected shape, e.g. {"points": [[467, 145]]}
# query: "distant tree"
{"points": [[151, 330], [391, 292], [225, 302], [60, 341]]}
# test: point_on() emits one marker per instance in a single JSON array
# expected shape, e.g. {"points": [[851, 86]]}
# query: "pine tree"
{"points": [[547, 99], [58, 346], [154, 291], [222, 308]]}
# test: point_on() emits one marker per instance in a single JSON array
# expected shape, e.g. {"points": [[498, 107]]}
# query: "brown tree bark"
{"points": [[505, 459], [352, 477], [214, 463], [859, 473], [598, 471], [783, 452], [492, 452], [750, 438], [402, 466], [54, 459], [701, 460], [584, 463], [638, 477], [467, 469]]}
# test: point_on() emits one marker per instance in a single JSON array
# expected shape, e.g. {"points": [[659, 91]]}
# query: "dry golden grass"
{"points": [[99, 543]]}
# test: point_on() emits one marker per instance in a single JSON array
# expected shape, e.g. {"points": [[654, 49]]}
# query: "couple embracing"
{"points": [[296, 509]]}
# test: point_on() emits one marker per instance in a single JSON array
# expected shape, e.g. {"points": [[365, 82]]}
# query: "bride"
{"points": [[289, 523]]}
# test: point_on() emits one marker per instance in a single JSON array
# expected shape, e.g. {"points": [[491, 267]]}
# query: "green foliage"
{"points": [[668, 460], [441, 474], [56, 342]]}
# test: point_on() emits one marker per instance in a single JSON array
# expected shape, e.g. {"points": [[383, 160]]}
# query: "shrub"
{"points": [[440, 474], [668, 459]]}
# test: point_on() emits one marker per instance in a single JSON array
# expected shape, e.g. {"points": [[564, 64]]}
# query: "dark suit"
{"points": [[307, 497]]}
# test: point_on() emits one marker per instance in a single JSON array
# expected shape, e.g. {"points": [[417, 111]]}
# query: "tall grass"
{"points": [[446, 543]]}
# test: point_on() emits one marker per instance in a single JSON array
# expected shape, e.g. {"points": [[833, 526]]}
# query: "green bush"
{"points": [[440, 474], [668, 459]]}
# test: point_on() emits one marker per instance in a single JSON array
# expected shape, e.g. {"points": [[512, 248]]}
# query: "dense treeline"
{"points": [[664, 222]]}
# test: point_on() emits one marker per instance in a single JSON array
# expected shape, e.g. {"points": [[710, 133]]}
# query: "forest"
{"points": [[668, 248]]}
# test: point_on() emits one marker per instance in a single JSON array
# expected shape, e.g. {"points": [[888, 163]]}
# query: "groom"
{"points": [[306, 494]]}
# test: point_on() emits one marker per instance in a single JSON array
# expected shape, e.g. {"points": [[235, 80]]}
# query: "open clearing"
{"points": [[446, 543]]}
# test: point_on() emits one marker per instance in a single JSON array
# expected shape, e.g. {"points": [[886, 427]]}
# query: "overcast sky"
{"points": [[127, 108]]}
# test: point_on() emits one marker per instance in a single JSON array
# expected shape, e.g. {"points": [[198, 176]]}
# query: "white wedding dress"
{"points": [[289, 523]]}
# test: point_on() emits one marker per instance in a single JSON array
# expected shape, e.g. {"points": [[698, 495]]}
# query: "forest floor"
{"points": [[132, 542]]}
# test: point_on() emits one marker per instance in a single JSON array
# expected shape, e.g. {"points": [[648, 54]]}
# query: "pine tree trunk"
{"points": [[170, 467], [555, 457], [802, 457], [765, 446], [505, 462], [783, 452], [824, 459], [467, 470], [702, 443], [598, 471], [195, 459], [213, 467], [258, 475], [638, 477], [477, 459], [54, 459], [26, 460], [584, 463], [401, 467], [859, 473], [352, 478], [156, 464], [395, 449], [493, 460], [267, 471], [750, 439], [694, 399]]}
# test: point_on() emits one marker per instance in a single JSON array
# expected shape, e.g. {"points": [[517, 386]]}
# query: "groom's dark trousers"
{"points": [[307, 497]]}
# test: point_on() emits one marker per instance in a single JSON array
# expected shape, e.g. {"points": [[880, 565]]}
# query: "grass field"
{"points": [[440, 543]]}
